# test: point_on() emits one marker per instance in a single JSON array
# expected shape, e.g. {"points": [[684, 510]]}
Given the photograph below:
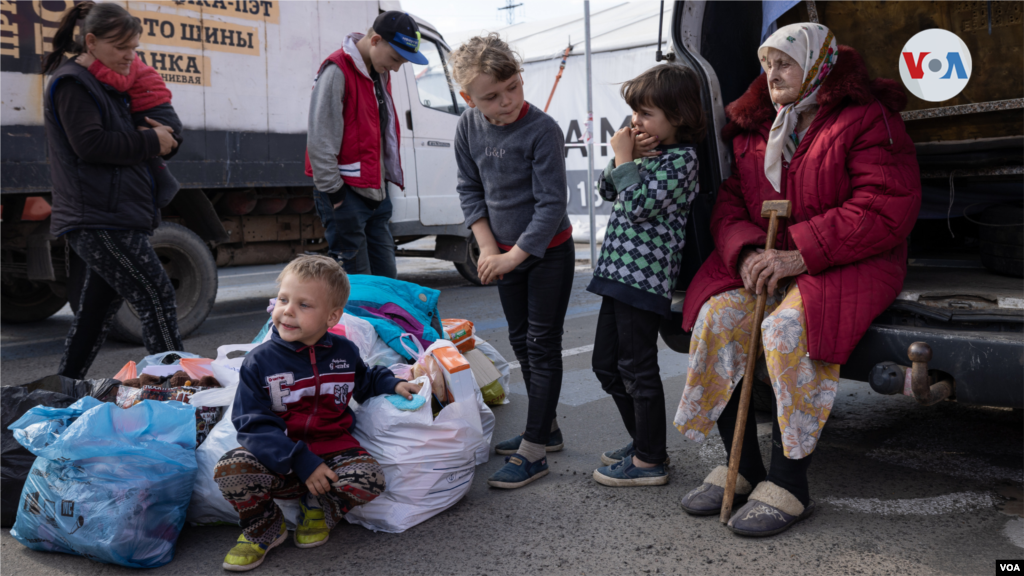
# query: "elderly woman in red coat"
{"points": [[816, 131]]}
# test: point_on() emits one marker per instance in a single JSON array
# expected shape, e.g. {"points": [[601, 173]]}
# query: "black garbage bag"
{"points": [[15, 459], [103, 389]]}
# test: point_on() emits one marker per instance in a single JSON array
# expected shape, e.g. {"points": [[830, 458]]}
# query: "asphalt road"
{"points": [[900, 488]]}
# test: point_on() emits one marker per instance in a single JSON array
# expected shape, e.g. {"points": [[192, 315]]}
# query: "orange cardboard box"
{"points": [[460, 332]]}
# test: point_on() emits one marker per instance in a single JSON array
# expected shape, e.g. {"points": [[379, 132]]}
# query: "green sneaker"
{"points": [[312, 531], [247, 555]]}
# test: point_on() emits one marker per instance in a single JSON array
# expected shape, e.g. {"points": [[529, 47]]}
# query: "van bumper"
{"points": [[988, 366]]}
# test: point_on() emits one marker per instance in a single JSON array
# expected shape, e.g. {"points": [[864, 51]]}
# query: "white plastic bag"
{"points": [[428, 462], [499, 362], [233, 363], [208, 505], [372, 349]]}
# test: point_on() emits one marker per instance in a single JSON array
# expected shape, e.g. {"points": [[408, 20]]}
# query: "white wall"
{"points": [[569, 108]]}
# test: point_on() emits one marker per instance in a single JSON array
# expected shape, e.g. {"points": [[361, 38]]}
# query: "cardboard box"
{"points": [[460, 332]]}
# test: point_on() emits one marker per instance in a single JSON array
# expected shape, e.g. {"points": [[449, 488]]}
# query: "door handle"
{"points": [[408, 119]]}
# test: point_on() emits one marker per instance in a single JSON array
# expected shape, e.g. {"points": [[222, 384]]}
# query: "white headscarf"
{"points": [[814, 47]]}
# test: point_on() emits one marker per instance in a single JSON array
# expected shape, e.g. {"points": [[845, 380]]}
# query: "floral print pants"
{"points": [[804, 389]]}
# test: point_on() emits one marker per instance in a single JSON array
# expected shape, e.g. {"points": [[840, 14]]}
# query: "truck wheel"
{"points": [[468, 268], [23, 301], [193, 272]]}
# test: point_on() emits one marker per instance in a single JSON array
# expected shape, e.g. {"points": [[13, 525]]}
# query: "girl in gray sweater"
{"points": [[512, 187]]}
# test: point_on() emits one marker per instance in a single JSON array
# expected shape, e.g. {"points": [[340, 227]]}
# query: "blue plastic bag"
{"points": [[109, 484], [162, 359]]}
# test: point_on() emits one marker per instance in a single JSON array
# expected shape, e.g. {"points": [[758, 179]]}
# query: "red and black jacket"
{"points": [[292, 400]]}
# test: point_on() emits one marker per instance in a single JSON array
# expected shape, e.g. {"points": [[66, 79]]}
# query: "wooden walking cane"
{"points": [[773, 210]]}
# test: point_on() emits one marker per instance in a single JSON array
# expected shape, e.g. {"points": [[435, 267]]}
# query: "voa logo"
{"points": [[935, 65]]}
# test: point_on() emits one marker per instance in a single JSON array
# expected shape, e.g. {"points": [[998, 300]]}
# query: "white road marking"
{"points": [[945, 504], [13, 342], [952, 464], [514, 365], [581, 387], [1014, 530]]}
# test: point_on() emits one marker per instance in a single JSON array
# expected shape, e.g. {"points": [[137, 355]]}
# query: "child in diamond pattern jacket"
{"points": [[652, 180]]}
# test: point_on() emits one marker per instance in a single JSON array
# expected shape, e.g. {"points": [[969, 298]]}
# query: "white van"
{"points": [[241, 73]]}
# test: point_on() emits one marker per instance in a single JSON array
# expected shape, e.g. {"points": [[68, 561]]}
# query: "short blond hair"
{"points": [[484, 55], [309, 267]]}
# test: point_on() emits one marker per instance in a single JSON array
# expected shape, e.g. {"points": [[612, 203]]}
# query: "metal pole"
{"points": [[590, 139]]}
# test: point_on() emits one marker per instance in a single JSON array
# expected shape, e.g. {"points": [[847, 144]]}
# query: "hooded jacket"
{"points": [[856, 191], [292, 404]]}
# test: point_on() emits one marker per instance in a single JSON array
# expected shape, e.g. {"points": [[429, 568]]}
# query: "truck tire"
{"points": [[1001, 235], [23, 300], [468, 268], [193, 272]]}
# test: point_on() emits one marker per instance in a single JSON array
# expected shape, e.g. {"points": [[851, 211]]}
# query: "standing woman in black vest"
{"points": [[104, 196]]}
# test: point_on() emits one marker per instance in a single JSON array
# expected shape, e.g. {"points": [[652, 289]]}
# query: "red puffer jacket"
{"points": [[855, 188]]}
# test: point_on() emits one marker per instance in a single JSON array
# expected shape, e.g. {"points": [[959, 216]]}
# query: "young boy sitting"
{"points": [[293, 419]]}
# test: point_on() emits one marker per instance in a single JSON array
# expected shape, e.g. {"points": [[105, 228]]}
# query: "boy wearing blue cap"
{"points": [[352, 143]]}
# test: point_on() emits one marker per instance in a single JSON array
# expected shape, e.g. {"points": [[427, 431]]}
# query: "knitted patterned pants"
{"points": [[119, 265], [251, 488]]}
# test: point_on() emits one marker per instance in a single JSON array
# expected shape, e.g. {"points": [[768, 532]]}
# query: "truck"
{"points": [[955, 331], [240, 72]]}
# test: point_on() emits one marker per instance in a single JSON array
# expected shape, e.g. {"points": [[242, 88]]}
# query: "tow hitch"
{"points": [[927, 386]]}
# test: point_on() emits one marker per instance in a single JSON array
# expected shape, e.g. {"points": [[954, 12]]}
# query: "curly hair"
{"points": [[484, 55]]}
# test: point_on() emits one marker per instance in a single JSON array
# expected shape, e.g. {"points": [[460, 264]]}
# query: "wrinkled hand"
{"points": [[319, 482], [774, 265], [748, 257], [495, 267], [644, 145], [164, 134], [407, 389]]}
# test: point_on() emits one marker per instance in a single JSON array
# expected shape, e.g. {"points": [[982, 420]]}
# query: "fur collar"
{"points": [[847, 83]]}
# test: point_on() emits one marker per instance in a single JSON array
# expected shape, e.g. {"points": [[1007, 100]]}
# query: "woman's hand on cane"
{"points": [[774, 265], [748, 257]]}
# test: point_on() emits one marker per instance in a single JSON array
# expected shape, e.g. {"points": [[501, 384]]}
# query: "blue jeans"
{"points": [[358, 237]]}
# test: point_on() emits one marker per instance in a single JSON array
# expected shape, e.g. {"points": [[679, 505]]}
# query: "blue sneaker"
{"points": [[511, 446], [624, 473], [518, 472], [612, 456]]}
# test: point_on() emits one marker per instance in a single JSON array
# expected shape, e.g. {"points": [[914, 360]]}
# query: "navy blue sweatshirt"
{"points": [[291, 407]]}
